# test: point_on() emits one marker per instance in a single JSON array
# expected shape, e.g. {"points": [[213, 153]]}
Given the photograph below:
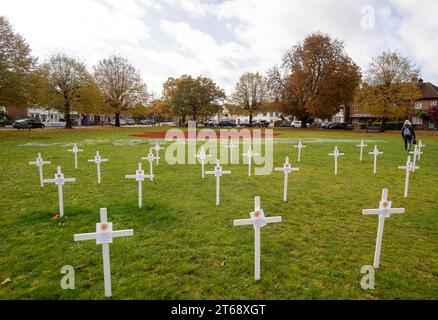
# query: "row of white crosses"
{"points": [[98, 160], [104, 235], [257, 220], [385, 210]]}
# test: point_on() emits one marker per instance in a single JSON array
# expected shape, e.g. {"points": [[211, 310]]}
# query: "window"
{"points": [[419, 106], [433, 104], [356, 109]]}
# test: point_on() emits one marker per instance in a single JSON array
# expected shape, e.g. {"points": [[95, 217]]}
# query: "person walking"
{"points": [[408, 135]]}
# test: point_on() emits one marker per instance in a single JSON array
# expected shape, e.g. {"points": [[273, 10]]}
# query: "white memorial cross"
{"points": [[231, 146], [336, 154], [250, 154], [75, 150], [409, 167], [375, 153], [202, 156], [39, 162], [139, 176], [60, 180], [385, 210], [98, 160], [362, 145], [299, 146], [258, 220], [287, 168], [151, 159], [417, 154], [157, 149], [218, 172], [420, 146], [104, 235]]}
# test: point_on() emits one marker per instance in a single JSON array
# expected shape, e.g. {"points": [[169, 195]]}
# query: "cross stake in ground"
{"points": [[420, 147], [299, 146], [202, 157], [231, 146], [157, 149], [385, 210], [409, 168], [104, 235], [60, 181], [151, 159], [39, 162], [98, 160], [250, 154], [218, 172], [375, 153], [139, 176], [75, 150], [336, 154], [258, 220], [417, 154], [362, 145], [287, 168]]}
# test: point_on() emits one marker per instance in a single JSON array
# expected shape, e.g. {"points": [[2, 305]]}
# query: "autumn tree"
{"points": [[16, 68], [315, 79], [391, 87], [195, 97], [250, 93], [121, 85], [66, 85], [159, 110]]}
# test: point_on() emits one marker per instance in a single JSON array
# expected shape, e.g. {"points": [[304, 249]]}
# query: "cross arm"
{"points": [[84, 236], [243, 222], [123, 233], [226, 172], [70, 179], [130, 176], [48, 180], [273, 219]]}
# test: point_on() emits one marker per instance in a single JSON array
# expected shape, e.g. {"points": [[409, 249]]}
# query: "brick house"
{"points": [[429, 98]]}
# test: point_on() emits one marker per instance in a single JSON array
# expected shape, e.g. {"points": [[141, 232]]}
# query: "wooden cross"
{"points": [[250, 154], [231, 146], [39, 162], [75, 150], [258, 220], [60, 180], [287, 168], [218, 172], [299, 146], [336, 154], [375, 153], [420, 146], [151, 159], [139, 176], [202, 156], [362, 145], [416, 153], [385, 210], [98, 160], [104, 235], [409, 168], [157, 149]]}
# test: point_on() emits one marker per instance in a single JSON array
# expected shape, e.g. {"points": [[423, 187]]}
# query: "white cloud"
{"points": [[221, 39]]}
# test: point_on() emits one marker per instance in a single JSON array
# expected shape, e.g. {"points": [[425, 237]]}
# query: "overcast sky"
{"points": [[222, 39]]}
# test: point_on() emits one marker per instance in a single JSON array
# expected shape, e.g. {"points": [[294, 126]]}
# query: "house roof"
{"points": [[428, 90]]}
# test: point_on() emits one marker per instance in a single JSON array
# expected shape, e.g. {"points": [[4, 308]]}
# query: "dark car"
{"points": [[30, 123], [226, 123], [247, 125], [262, 124], [341, 126]]}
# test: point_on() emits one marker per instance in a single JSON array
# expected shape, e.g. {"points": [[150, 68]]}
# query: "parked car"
{"points": [[296, 124], [341, 126], [121, 121], [147, 122], [262, 124], [226, 123], [326, 125], [209, 123], [29, 123], [246, 125], [130, 122]]}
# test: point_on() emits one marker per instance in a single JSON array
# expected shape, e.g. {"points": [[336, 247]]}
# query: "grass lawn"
{"points": [[184, 247]]}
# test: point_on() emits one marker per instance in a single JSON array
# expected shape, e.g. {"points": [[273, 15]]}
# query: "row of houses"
{"points": [[357, 114]]}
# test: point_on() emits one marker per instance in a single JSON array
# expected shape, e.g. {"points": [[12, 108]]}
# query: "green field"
{"points": [[184, 247]]}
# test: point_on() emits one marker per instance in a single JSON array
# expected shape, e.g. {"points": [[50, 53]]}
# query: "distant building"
{"points": [[429, 98]]}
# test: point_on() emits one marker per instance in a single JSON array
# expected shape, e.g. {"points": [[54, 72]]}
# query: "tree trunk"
{"points": [[117, 122], [347, 114], [250, 118], [68, 122], [383, 124]]}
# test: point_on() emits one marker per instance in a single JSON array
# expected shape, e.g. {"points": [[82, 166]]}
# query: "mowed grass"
{"points": [[184, 247]]}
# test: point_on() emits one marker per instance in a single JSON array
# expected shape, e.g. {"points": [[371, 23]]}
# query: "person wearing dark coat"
{"points": [[408, 135]]}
